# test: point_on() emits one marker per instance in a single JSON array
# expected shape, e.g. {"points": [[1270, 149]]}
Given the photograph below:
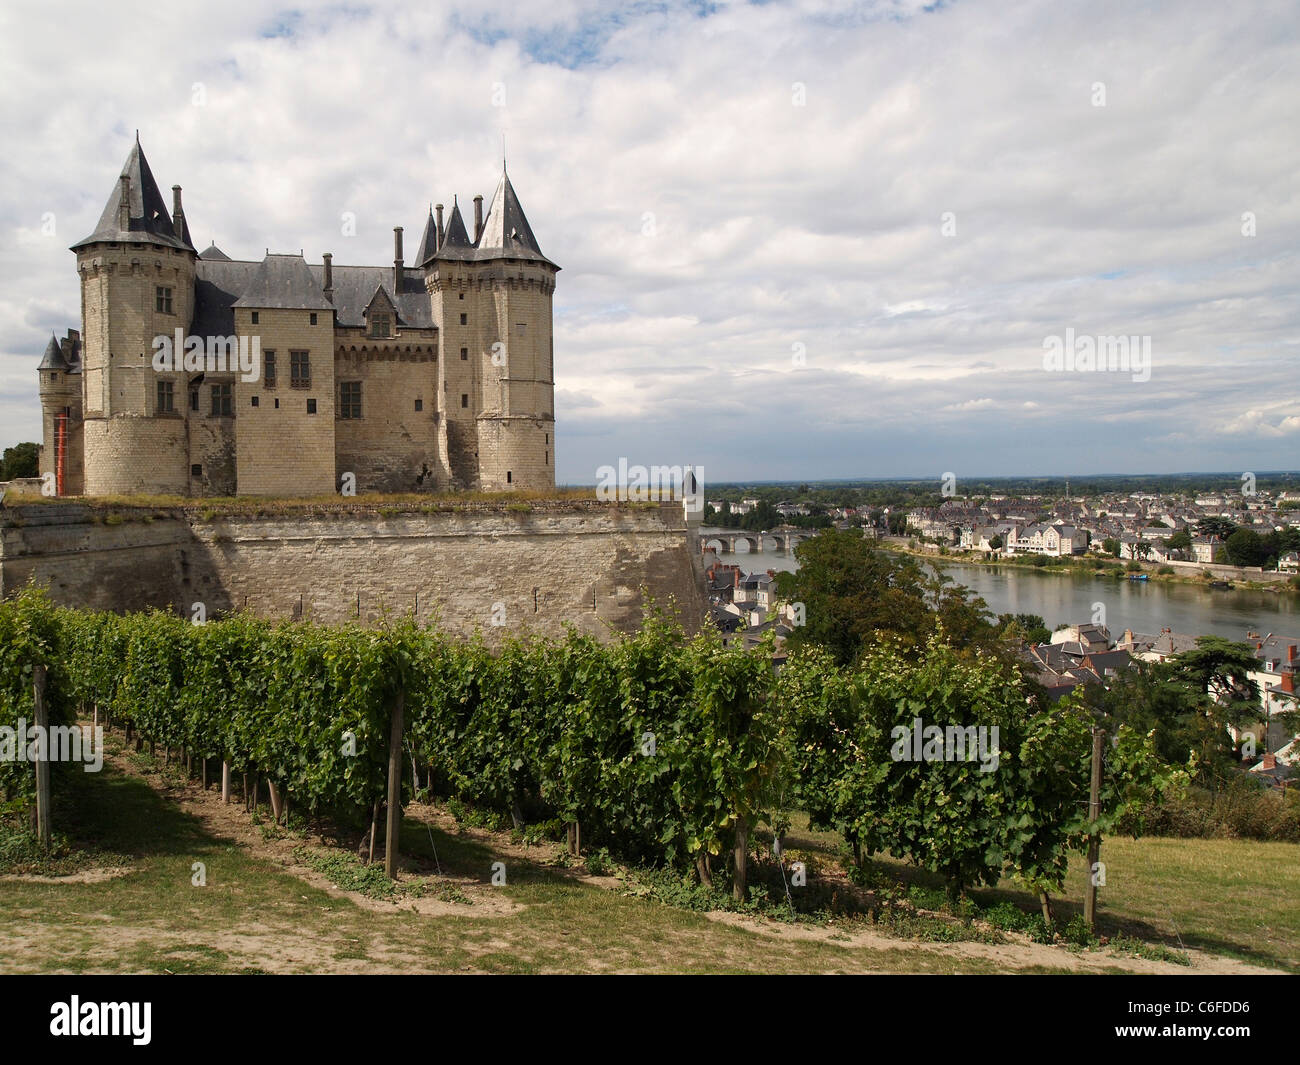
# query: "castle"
{"points": [[376, 378]]}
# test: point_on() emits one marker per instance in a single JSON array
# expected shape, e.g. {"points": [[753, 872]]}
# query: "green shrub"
{"points": [[1078, 933], [1009, 917], [1243, 808]]}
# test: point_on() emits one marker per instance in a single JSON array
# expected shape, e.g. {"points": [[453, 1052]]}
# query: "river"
{"points": [[1067, 598]]}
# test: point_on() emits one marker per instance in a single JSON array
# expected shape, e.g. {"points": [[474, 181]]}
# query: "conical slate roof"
{"points": [[429, 242], [284, 281], [455, 241], [214, 254], [53, 358], [149, 221], [506, 232]]}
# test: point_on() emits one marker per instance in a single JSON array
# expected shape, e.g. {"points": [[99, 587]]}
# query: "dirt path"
{"points": [[263, 945]]}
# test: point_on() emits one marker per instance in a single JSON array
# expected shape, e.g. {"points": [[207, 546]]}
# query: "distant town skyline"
{"points": [[801, 240]]}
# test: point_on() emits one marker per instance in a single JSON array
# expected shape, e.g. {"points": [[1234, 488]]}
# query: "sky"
{"points": [[808, 240]]}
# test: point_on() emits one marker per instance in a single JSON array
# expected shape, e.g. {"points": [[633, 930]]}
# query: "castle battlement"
{"points": [[430, 376]]}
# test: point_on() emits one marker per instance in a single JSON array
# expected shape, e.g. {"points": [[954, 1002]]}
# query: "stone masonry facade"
{"points": [[404, 378], [499, 569]]}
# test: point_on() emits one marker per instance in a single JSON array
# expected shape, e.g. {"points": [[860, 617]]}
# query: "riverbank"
{"points": [[1199, 576]]}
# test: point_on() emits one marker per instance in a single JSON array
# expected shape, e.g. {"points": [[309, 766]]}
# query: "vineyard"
{"points": [[664, 750]]}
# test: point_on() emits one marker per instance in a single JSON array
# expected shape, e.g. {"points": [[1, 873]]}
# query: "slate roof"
{"points": [[221, 283], [506, 229], [53, 358], [283, 281], [217, 285], [506, 232], [214, 254], [354, 287], [1166, 643], [455, 241], [149, 220], [1104, 660], [429, 242]]}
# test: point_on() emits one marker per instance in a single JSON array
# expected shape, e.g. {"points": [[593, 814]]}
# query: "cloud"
{"points": [[724, 181]]}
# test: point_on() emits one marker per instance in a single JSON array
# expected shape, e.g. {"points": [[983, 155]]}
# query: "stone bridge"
{"points": [[726, 540]]}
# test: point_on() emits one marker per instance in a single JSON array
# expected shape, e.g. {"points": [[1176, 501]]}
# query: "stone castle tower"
{"points": [[404, 378]]}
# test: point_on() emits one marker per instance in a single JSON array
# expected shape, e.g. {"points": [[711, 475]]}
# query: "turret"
{"points": [[137, 283], [516, 420], [61, 421]]}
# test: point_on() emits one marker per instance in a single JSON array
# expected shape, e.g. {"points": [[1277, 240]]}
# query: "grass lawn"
{"points": [[262, 911], [1233, 897]]}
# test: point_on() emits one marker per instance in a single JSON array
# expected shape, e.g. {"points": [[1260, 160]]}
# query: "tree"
{"points": [[854, 594], [1180, 541], [995, 542], [1111, 546], [763, 516], [1189, 702], [21, 460], [1029, 627], [1220, 527], [1244, 547]]}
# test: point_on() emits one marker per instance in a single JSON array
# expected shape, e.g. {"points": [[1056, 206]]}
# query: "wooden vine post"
{"points": [[1094, 812], [394, 786], [741, 882], [42, 722]]}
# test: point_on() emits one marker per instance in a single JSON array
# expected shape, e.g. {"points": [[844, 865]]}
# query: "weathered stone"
{"points": [[537, 570]]}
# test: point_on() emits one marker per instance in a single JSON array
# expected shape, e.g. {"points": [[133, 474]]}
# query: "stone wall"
{"points": [[392, 447], [284, 445], [534, 570]]}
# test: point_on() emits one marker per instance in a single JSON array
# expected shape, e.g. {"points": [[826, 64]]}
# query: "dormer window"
{"points": [[381, 325]]}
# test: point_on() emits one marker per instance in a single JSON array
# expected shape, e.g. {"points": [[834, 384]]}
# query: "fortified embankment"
{"points": [[501, 567]]}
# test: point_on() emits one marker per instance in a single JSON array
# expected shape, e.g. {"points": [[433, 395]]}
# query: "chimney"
{"points": [[478, 218], [1287, 683], [398, 260], [437, 207], [1269, 762], [1290, 652], [328, 287], [124, 208], [178, 215]]}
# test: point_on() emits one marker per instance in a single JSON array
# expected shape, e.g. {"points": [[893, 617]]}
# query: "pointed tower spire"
{"points": [[506, 232], [136, 200], [53, 358], [455, 240], [428, 246]]}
